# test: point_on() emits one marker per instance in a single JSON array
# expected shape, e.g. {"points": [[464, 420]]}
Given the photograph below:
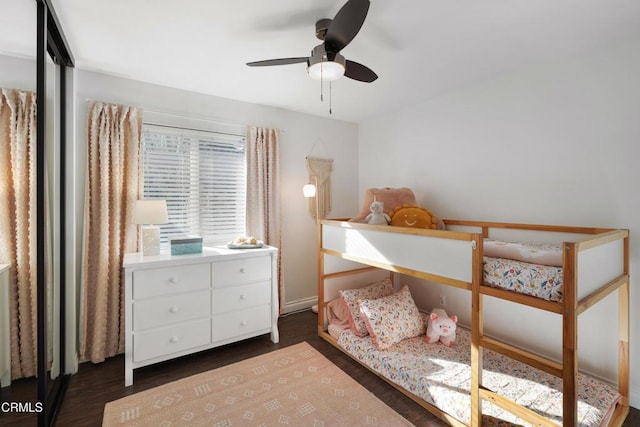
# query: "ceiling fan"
{"points": [[325, 62]]}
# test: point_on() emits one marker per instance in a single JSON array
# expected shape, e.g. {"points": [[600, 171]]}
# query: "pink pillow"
{"points": [[351, 297], [392, 318], [391, 198], [338, 313]]}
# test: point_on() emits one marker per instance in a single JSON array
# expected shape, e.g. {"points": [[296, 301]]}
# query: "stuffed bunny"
{"points": [[377, 215], [441, 328]]}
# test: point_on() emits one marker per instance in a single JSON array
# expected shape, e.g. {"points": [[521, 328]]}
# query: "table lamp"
{"points": [[149, 213]]}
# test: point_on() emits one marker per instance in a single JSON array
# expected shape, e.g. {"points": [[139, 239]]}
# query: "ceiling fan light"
{"points": [[326, 70]]}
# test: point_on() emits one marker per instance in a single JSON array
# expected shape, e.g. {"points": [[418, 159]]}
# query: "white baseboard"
{"points": [[301, 304]]}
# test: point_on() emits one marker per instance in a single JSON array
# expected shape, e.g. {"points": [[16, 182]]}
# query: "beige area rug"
{"points": [[295, 386]]}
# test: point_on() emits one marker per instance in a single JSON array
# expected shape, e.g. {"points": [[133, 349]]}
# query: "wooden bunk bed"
{"points": [[454, 257]]}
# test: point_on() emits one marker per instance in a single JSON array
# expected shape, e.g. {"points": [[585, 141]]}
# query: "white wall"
{"points": [[558, 144], [301, 134]]}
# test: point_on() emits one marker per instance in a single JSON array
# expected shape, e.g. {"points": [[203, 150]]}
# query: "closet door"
{"points": [[33, 236], [18, 340], [51, 184]]}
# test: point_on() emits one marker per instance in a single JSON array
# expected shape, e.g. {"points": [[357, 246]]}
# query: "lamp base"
{"points": [[150, 240]]}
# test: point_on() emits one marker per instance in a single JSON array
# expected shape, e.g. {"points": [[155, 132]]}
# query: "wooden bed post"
{"points": [[569, 335], [476, 332], [623, 330]]}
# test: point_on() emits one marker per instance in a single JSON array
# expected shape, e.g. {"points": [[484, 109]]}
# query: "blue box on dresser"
{"points": [[186, 245]]}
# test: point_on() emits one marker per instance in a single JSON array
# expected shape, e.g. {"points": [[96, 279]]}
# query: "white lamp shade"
{"points": [[151, 212], [309, 190], [326, 70]]}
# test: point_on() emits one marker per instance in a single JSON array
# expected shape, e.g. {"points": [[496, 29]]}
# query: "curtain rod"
{"points": [[192, 117], [196, 130], [151, 110]]}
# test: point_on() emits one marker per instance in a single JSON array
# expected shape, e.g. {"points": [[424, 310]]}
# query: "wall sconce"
{"points": [[149, 213], [310, 191]]}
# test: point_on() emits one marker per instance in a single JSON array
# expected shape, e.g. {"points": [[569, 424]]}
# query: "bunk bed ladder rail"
{"points": [[569, 334], [476, 332], [569, 309]]}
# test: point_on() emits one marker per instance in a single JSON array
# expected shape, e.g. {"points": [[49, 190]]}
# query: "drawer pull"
{"points": [[173, 309], [172, 280], [173, 339], [243, 323], [241, 269], [243, 297]]}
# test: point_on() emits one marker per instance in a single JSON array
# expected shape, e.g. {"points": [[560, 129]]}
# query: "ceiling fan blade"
{"points": [[357, 71], [280, 61], [345, 25]]}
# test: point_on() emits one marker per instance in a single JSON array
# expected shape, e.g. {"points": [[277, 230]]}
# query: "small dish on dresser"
{"points": [[244, 242], [230, 245]]}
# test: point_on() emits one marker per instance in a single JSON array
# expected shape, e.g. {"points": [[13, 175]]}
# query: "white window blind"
{"points": [[202, 176]]}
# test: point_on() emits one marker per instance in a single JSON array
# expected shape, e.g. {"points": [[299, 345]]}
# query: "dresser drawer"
{"points": [[171, 339], [243, 270], [170, 280], [161, 311], [240, 323], [240, 297]]}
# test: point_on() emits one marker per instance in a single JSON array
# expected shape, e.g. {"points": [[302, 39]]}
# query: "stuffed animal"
{"points": [[441, 327], [377, 215], [413, 216]]}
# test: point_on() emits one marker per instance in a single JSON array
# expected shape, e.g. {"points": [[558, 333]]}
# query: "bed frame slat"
{"points": [[552, 306], [522, 412], [531, 359], [596, 296], [402, 270]]}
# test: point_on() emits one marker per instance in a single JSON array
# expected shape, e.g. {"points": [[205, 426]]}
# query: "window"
{"points": [[202, 176]]}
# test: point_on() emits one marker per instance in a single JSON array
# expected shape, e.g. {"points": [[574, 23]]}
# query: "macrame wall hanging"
{"points": [[320, 176]]}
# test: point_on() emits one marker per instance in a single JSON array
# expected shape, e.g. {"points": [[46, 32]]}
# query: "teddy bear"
{"points": [[441, 327], [377, 215]]}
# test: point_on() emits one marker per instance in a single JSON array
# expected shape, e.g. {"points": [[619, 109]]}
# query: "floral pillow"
{"points": [[351, 297], [392, 318]]}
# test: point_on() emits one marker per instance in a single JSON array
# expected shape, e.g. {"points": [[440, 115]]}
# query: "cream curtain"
{"points": [[263, 191], [320, 175], [18, 243], [114, 133]]}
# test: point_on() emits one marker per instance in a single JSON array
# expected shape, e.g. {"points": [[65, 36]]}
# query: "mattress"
{"points": [[541, 281], [441, 376]]}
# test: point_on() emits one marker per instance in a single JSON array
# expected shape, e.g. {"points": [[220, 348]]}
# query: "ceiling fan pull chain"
{"points": [[321, 87], [330, 97]]}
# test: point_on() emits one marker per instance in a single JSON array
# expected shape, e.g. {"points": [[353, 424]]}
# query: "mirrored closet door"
{"points": [[33, 248]]}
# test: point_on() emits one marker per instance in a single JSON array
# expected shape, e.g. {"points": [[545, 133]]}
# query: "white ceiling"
{"points": [[419, 48]]}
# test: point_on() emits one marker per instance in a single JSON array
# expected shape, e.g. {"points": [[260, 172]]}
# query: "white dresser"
{"points": [[5, 332], [176, 305]]}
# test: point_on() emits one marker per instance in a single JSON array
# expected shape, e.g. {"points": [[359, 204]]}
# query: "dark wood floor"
{"points": [[95, 385]]}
